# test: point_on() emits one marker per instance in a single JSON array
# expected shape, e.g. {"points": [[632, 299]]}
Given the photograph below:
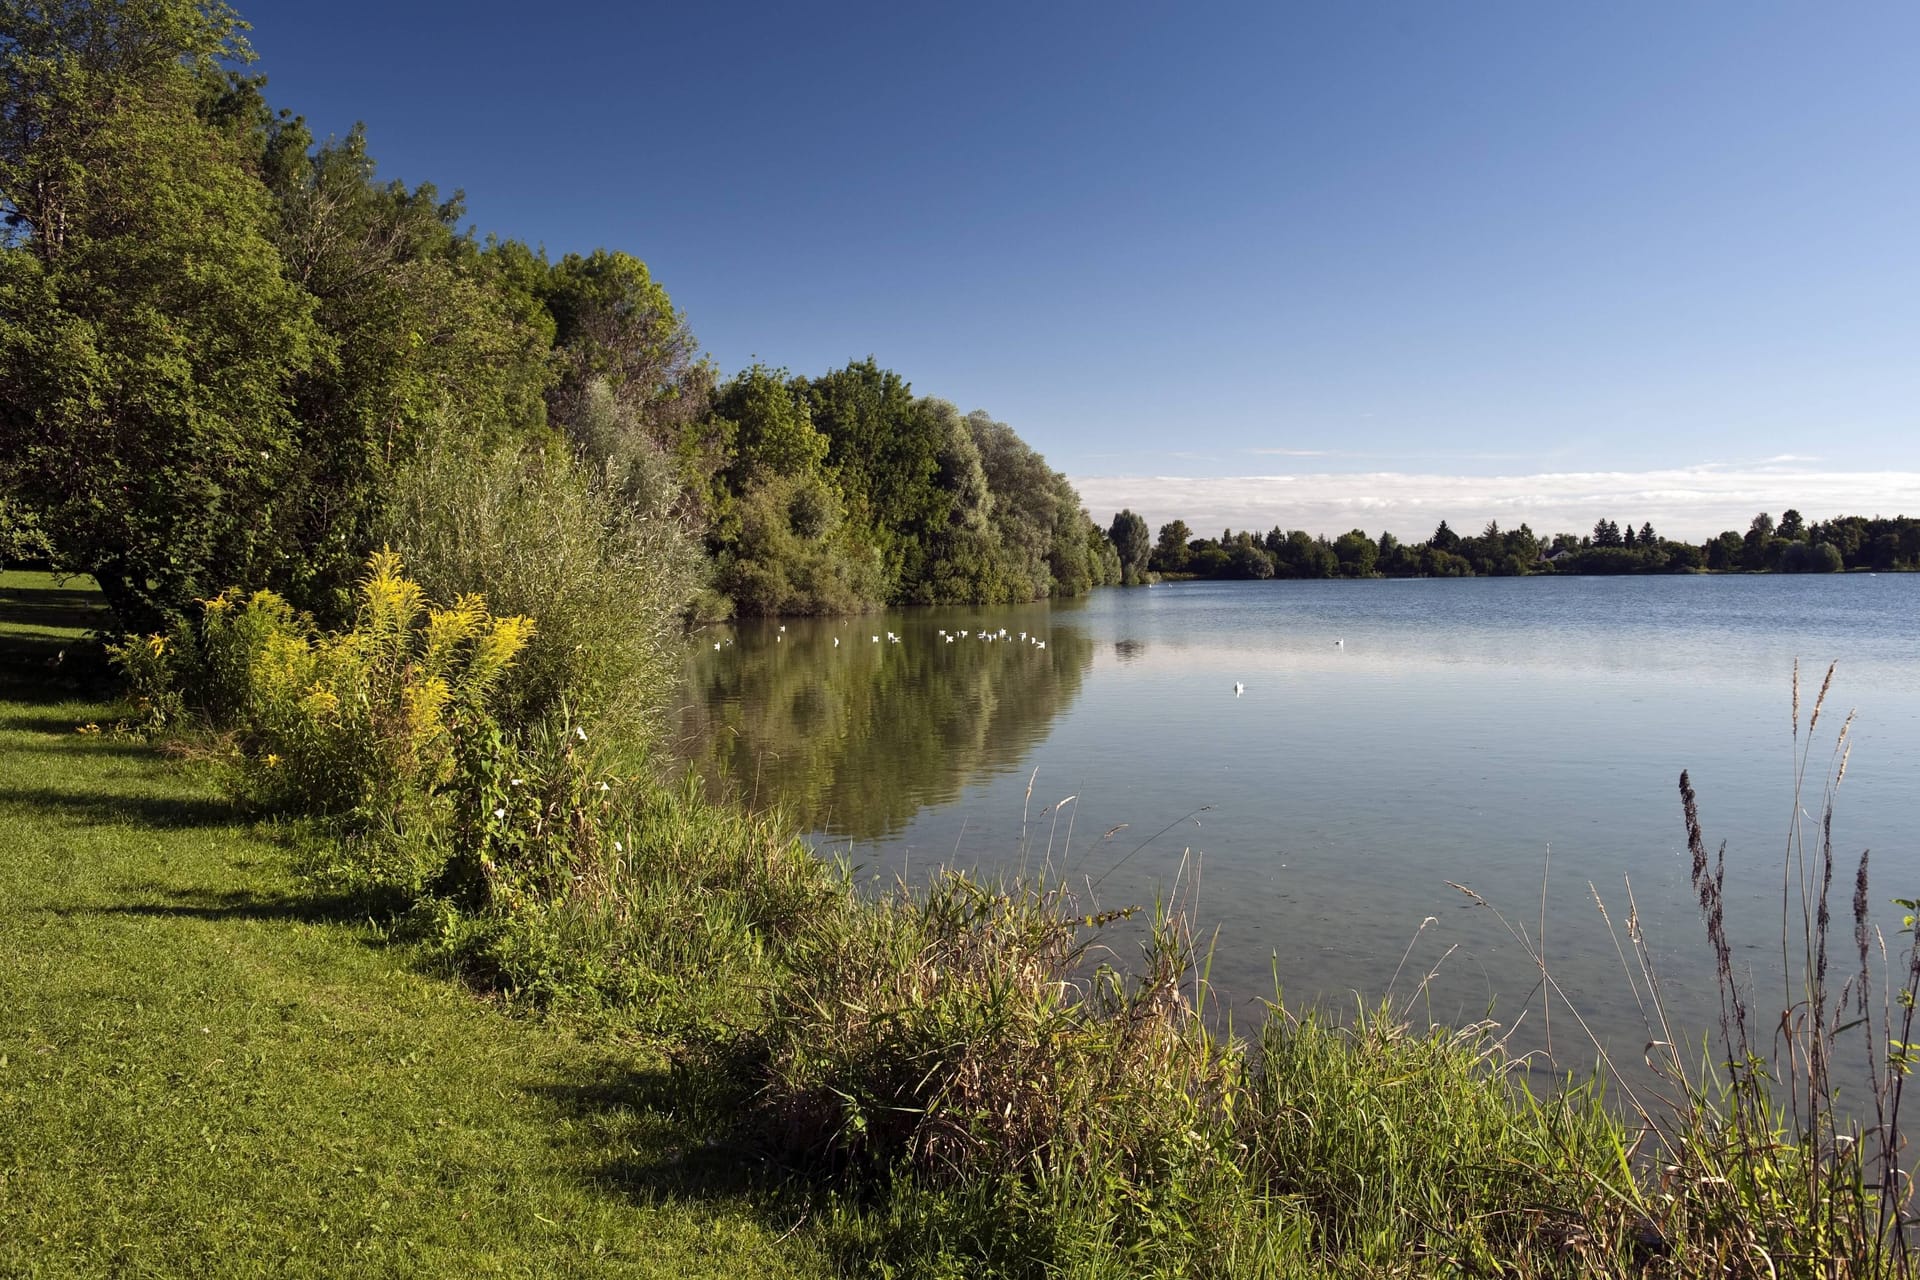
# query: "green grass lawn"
{"points": [[40, 615], [205, 1071]]}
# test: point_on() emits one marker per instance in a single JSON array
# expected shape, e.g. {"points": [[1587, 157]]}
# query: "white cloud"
{"points": [[1683, 502]]}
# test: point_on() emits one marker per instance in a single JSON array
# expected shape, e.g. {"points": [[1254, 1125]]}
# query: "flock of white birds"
{"points": [[949, 636], [1001, 634], [953, 638]]}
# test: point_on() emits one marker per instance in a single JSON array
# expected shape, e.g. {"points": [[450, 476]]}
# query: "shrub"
{"points": [[375, 728], [599, 563], [639, 901]]}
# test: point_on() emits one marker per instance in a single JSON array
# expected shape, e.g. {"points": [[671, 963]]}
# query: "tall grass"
{"points": [[1780, 1151], [1791, 1151]]}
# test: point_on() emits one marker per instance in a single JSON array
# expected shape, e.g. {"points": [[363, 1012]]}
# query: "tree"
{"points": [[884, 454], [1792, 525], [1444, 539], [1027, 501], [967, 559], [1356, 553], [1170, 553], [1647, 538], [1607, 534], [616, 325], [149, 336], [1246, 558], [1102, 559], [1130, 539], [1389, 556], [418, 326], [1809, 557], [1069, 559], [1523, 546], [770, 428], [1724, 551], [1757, 546]]}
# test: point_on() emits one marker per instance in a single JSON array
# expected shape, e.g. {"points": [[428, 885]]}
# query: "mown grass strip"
{"points": [[204, 1071]]}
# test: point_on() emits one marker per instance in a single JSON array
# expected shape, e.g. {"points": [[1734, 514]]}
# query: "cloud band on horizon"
{"points": [[1693, 503]]}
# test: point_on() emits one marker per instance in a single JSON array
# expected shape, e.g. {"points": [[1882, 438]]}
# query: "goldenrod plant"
{"points": [[368, 726]]}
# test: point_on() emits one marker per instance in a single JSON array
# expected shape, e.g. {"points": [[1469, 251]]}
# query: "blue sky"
{"points": [[1308, 265]]}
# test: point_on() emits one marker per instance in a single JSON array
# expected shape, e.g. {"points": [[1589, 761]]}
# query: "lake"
{"points": [[1512, 735]]}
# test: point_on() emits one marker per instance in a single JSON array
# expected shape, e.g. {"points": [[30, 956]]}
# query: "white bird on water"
{"points": [[1339, 644], [1238, 688], [836, 642]]}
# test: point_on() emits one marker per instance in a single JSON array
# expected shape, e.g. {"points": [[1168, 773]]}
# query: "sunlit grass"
{"points": [[205, 1071]]}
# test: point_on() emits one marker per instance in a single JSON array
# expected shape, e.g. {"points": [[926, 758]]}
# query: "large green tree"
{"points": [[420, 326], [775, 519], [1171, 553], [617, 328], [1132, 543], [884, 453], [150, 338]]}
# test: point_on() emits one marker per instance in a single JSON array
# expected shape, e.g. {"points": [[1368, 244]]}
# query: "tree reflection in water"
{"points": [[852, 740]]}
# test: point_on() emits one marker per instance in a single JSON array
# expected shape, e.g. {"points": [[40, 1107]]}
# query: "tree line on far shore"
{"points": [[1793, 545]]}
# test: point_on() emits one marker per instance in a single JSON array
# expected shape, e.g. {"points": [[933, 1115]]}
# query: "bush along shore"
{"points": [[944, 1073]]}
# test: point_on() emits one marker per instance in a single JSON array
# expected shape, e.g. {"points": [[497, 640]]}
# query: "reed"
{"points": [[1780, 1151]]}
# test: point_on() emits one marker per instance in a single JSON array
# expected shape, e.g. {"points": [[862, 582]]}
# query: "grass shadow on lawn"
{"points": [[45, 602], [124, 750], [56, 723], [683, 1110], [239, 904], [107, 808]]}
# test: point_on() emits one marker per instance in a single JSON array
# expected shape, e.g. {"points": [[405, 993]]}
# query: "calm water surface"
{"points": [[1392, 736]]}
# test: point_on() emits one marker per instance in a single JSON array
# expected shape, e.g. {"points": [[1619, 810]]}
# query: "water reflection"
{"points": [[855, 726], [1516, 735]]}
